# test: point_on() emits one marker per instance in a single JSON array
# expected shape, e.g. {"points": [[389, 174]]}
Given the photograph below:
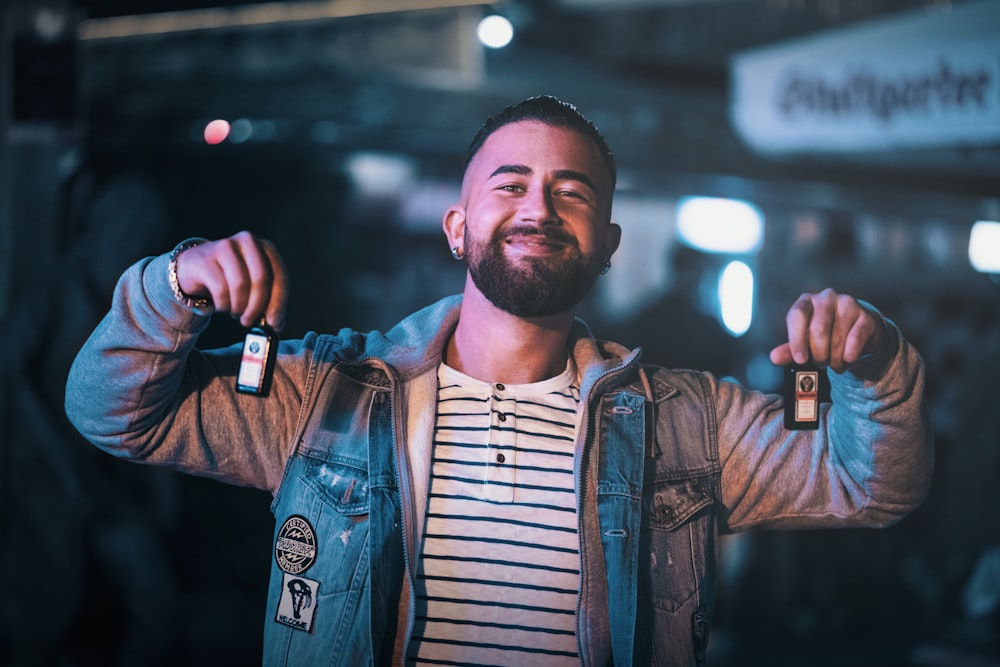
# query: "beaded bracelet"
{"points": [[189, 301]]}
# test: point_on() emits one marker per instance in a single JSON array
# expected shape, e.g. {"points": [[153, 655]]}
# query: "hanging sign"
{"points": [[925, 80]]}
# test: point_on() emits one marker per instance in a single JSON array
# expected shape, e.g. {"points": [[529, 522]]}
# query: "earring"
{"points": [[456, 253], [607, 267]]}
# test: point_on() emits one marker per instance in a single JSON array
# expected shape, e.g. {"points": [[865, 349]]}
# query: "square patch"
{"points": [[297, 605]]}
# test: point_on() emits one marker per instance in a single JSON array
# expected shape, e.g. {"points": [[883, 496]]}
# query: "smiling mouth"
{"points": [[545, 240], [536, 240], [535, 245]]}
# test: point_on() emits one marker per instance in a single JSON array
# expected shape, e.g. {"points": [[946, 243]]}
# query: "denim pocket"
{"points": [[674, 537], [343, 487], [335, 500]]}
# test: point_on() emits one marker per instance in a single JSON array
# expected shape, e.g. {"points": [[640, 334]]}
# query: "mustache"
{"points": [[556, 234]]}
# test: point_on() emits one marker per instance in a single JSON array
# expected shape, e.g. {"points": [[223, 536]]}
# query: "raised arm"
{"points": [[869, 463], [139, 389]]}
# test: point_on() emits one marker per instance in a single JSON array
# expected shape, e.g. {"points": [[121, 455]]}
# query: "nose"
{"points": [[537, 206]]}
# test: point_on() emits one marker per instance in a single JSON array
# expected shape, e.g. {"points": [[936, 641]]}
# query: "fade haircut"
{"points": [[551, 111]]}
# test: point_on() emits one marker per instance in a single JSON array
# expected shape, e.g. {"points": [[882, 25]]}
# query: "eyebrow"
{"points": [[562, 174]]}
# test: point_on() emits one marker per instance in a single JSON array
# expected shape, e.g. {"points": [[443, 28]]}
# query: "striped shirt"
{"points": [[499, 571]]}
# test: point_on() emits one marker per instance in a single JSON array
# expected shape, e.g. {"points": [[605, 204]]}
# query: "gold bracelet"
{"points": [[189, 301]]}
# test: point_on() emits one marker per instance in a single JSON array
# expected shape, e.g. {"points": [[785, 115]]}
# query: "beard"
{"points": [[531, 286]]}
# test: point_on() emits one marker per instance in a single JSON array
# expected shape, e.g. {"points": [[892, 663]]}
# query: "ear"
{"points": [[612, 238], [454, 226]]}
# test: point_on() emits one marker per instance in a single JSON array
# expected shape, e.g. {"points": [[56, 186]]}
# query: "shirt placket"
{"points": [[500, 457]]}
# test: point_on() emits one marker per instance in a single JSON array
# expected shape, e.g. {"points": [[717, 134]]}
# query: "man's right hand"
{"points": [[243, 275]]}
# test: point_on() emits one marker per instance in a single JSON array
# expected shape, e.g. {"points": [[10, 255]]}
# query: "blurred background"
{"points": [[765, 148]]}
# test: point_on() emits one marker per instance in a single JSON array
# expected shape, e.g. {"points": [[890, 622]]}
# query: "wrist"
{"points": [[193, 302]]}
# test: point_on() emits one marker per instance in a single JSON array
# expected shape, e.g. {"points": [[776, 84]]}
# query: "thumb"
{"points": [[782, 355]]}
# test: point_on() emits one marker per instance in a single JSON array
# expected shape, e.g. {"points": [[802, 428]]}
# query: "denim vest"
{"points": [[646, 592]]}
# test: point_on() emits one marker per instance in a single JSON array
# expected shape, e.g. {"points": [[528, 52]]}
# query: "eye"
{"points": [[571, 193], [511, 187]]}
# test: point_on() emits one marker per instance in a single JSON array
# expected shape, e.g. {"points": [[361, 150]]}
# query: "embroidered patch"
{"points": [[297, 605], [295, 547]]}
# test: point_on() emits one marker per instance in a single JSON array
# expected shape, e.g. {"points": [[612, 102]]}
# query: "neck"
{"points": [[492, 345]]}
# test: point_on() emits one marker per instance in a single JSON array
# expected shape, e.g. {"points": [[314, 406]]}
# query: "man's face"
{"points": [[536, 218]]}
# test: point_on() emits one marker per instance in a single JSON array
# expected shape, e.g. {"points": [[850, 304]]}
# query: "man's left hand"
{"points": [[829, 329]]}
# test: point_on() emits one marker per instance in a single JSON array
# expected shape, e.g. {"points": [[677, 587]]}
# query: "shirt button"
{"points": [[500, 387], [502, 417], [501, 458]]}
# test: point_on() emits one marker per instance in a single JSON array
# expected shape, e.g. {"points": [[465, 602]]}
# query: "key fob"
{"points": [[260, 347], [801, 392]]}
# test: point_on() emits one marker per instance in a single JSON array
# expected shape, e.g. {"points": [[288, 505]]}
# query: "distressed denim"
{"points": [[666, 461]]}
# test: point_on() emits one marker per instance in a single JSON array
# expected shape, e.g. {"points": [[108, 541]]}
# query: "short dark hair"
{"points": [[551, 111]]}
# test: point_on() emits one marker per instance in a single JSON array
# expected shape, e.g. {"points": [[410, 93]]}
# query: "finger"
{"points": [[855, 342], [236, 260], [867, 335], [214, 279], [821, 326], [278, 302], [797, 324], [782, 355], [249, 278], [846, 316]]}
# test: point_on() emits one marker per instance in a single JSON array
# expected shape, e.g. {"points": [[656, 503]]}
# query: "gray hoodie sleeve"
{"points": [[139, 389], [869, 464]]}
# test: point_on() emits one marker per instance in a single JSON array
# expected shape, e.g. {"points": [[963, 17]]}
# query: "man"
{"points": [[487, 483]]}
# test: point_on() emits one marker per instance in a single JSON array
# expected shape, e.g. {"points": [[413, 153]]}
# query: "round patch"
{"points": [[295, 548]]}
